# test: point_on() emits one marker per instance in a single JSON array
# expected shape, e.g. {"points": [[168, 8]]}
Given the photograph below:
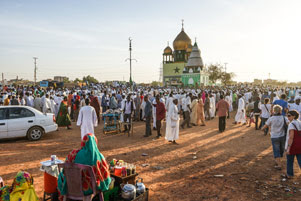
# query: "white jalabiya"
{"points": [[57, 100], [53, 106], [142, 108], [229, 101], [168, 103], [47, 108], [172, 123], [154, 113], [240, 116], [212, 107], [87, 120]]}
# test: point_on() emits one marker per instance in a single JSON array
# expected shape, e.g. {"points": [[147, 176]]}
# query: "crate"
{"points": [[124, 180], [142, 197]]}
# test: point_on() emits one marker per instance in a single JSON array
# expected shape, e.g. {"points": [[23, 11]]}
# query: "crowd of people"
{"points": [[274, 110]]}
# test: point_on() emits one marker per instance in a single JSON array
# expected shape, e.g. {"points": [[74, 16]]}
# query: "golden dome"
{"points": [[189, 48], [167, 50], [182, 41]]}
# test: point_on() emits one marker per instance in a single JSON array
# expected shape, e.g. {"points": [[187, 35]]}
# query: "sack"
{"points": [[296, 145]]}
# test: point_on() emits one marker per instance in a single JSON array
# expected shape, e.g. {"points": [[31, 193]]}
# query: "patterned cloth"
{"points": [[88, 155], [21, 189], [63, 117]]}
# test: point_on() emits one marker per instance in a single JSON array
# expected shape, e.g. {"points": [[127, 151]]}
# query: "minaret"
{"points": [[195, 61]]}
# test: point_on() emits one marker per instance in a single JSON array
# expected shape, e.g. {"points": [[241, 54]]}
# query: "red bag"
{"points": [[296, 145]]}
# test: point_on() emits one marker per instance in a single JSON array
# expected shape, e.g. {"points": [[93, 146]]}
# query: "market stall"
{"points": [[126, 185], [113, 122]]}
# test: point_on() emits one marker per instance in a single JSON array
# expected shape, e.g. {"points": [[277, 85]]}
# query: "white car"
{"points": [[21, 121]]}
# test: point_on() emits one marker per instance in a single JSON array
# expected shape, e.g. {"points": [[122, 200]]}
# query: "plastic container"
{"points": [[118, 171], [50, 183]]}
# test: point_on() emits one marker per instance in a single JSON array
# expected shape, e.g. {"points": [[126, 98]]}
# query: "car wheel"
{"points": [[35, 133]]}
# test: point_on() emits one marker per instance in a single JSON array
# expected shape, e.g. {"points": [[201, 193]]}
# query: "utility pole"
{"points": [[130, 59], [2, 78], [225, 67], [35, 70]]}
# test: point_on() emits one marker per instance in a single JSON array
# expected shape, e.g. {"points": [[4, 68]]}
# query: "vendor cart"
{"points": [[111, 123]]}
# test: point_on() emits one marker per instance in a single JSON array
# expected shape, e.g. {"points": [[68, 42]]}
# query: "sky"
{"points": [[75, 38]]}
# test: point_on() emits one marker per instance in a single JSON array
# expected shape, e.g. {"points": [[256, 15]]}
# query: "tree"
{"points": [[156, 83], [215, 72], [226, 78], [77, 80], [90, 79], [66, 80]]}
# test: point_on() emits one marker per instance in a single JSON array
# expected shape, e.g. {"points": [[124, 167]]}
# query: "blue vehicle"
{"points": [[44, 83]]}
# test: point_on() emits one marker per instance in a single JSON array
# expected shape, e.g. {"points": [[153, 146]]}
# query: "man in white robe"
{"points": [[47, 105], [87, 119], [212, 106], [240, 116], [169, 102], [37, 104], [173, 123], [57, 99], [229, 101]]}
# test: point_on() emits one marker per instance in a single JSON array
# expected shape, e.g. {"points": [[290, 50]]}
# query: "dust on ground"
{"points": [[241, 156]]}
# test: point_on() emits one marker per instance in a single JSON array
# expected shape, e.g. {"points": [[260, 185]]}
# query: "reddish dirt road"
{"points": [[242, 155]]}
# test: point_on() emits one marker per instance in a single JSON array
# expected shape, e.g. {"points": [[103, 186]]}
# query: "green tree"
{"points": [[215, 72], [66, 80], [90, 79], [226, 78], [77, 80], [156, 83]]}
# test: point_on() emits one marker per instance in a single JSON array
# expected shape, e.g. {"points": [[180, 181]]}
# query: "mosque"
{"points": [[183, 66]]}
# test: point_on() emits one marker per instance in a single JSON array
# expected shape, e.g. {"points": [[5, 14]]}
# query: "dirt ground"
{"points": [[176, 172]]}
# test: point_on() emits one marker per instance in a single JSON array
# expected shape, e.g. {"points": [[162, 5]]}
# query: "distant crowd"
{"points": [[274, 110]]}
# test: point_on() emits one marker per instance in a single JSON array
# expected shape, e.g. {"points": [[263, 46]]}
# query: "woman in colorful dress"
{"points": [[88, 155], [63, 117], [21, 189]]}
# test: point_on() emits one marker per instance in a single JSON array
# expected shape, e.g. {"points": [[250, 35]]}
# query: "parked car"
{"points": [[24, 121]]}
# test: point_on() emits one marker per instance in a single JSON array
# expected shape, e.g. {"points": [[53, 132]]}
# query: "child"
{"points": [[251, 117]]}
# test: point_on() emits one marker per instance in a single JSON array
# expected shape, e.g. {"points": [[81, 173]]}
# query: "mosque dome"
{"points": [[182, 41], [189, 48], [167, 50]]}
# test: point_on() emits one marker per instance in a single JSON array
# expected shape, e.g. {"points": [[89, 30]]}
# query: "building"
{"points": [[269, 82], [60, 78], [257, 82], [183, 66]]}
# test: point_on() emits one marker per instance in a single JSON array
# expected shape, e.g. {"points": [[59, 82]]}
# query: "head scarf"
{"points": [[89, 155], [21, 189]]}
